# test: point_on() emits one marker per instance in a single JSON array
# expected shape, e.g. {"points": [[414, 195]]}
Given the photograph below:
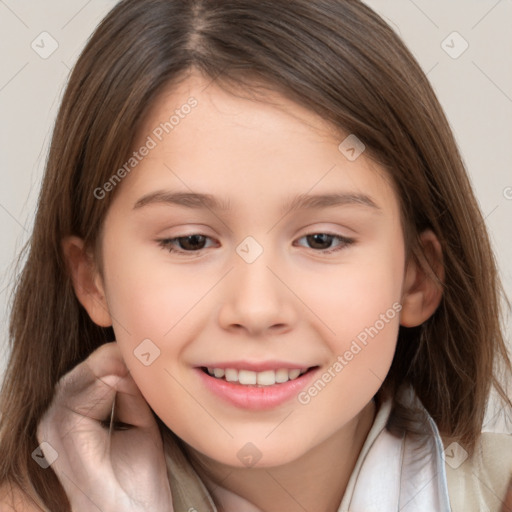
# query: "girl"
{"points": [[258, 278]]}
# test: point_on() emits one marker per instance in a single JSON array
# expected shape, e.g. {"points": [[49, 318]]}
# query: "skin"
{"points": [[292, 303]]}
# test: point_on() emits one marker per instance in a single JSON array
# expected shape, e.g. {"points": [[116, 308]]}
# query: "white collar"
{"points": [[406, 473]]}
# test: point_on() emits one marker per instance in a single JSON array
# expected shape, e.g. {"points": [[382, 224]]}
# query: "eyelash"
{"points": [[166, 243]]}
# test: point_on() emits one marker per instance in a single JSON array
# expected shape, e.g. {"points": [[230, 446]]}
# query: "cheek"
{"points": [[148, 296], [366, 324], [364, 315], [357, 295], [361, 309], [153, 308]]}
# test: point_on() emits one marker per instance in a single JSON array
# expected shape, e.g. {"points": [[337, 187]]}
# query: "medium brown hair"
{"points": [[335, 57]]}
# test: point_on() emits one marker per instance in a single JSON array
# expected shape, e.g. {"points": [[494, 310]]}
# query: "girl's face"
{"points": [[261, 285]]}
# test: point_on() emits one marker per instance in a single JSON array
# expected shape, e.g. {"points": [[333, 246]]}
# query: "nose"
{"points": [[256, 299]]}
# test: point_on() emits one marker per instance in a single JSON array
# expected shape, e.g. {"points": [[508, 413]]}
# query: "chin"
{"points": [[259, 455]]}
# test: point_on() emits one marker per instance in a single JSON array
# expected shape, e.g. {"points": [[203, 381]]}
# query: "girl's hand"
{"points": [[112, 471]]}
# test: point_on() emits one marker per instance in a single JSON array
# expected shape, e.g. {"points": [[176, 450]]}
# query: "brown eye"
{"points": [[192, 242], [319, 241], [184, 244]]}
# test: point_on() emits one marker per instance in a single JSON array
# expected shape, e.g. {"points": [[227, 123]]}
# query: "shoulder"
{"points": [[12, 499], [479, 482]]}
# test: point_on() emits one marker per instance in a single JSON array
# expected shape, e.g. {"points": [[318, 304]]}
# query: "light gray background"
{"points": [[475, 90]]}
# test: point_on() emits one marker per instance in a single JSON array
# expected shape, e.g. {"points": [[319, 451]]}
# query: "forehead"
{"points": [[243, 109], [206, 139]]}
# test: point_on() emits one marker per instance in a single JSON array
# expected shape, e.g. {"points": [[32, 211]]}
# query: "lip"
{"points": [[256, 398]]}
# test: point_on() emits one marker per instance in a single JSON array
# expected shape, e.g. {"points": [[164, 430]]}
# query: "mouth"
{"points": [[257, 379], [256, 386]]}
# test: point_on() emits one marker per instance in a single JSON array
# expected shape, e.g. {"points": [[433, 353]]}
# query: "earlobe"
{"points": [[87, 281], [422, 290]]}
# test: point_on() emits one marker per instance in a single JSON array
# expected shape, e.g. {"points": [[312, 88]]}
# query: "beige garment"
{"points": [[189, 494], [479, 484]]}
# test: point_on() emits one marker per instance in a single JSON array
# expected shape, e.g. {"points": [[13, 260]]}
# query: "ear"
{"points": [[421, 292], [87, 281]]}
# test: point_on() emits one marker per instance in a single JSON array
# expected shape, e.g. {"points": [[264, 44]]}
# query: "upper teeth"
{"points": [[266, 378]]}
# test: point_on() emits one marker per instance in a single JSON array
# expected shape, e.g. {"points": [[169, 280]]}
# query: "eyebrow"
{"points": [[300, 202]]}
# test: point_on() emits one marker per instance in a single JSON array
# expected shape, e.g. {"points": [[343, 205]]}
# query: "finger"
{"points": [[85, 395], [89, 389], [131, 406], [107, 364], [107, 360]]}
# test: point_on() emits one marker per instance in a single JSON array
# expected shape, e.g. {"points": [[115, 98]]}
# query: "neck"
{"points": [[317, 480]]}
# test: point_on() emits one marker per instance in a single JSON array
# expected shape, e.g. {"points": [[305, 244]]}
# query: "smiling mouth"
{"points": [[257, 379]]}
